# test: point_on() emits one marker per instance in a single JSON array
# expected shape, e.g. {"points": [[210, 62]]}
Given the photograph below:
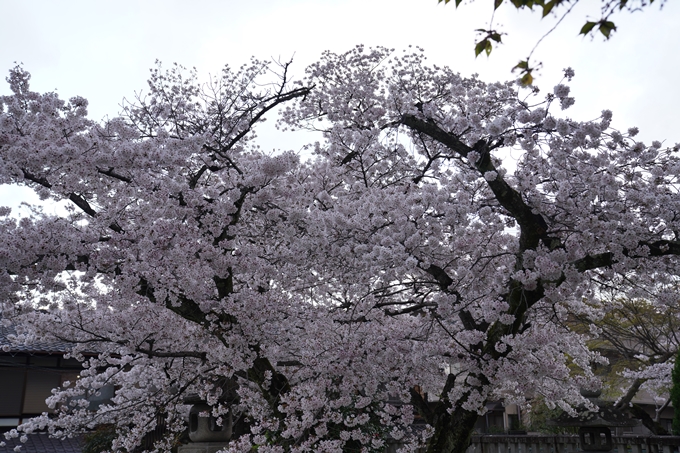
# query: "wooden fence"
{"points": [[569, 444]]}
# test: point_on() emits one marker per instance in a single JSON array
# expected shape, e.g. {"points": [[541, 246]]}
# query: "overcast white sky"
{"points": [[102, 50]]}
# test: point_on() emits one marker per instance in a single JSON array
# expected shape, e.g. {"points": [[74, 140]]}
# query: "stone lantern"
{"points": [[594, 428], [206, 433]]}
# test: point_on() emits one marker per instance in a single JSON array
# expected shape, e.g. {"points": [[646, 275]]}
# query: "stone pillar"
{"points": [[207, 436]]}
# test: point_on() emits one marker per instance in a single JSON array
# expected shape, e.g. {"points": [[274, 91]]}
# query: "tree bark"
{"points": [[452, 431], [649, 423]]}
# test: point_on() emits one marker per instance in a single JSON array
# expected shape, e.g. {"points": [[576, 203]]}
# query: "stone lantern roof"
{"points": [[606, 416], [594, 428]]}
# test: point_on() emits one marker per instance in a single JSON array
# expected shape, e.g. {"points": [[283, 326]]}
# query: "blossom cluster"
{"points": [[318, 301]]}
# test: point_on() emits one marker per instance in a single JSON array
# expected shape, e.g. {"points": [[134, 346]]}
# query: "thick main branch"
{"points": [[533, 227]]}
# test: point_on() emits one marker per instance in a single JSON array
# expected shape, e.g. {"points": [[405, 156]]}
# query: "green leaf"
{"points": [[526, 76], [587, 28], [497, 3], [547, 7], [489, 47], [479, 48], [495, 36], [483, 46], [606, 28], [622, 3], [524, 64]]}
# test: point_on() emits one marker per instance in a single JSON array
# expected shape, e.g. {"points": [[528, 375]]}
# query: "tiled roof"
{"points": [[42, 443], [58, 347]]}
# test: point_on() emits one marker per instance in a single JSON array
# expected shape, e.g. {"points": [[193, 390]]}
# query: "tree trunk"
{"points": [[638, 412], [452, 431]]}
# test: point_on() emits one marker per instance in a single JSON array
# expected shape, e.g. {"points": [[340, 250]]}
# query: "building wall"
{"points": [[26, 380]]}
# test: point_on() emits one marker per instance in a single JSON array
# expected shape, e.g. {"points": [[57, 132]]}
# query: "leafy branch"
{"points": [[605, 25]]}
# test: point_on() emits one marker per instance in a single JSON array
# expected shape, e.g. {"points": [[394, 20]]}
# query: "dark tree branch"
{"points": [[79, 201], [269, 104], [193, 181], [76, 199], [469, 322], [110, 172], [38, 180], [410, 309], [184, 307], [533, 227], [638, 412], [421, 405], [657, 248], [178, 354], [440, 275], [224, 234], [637, 383], [630, 394], [275, 388], [295, 363]]}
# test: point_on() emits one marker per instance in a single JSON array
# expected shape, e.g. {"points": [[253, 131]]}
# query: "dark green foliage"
{"points": [[540, 419], [100, 439], [675, 395]]}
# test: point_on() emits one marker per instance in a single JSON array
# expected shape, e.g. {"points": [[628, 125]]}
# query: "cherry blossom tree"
{"points": [[321, 301], [491, 259], [150, 267]]}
